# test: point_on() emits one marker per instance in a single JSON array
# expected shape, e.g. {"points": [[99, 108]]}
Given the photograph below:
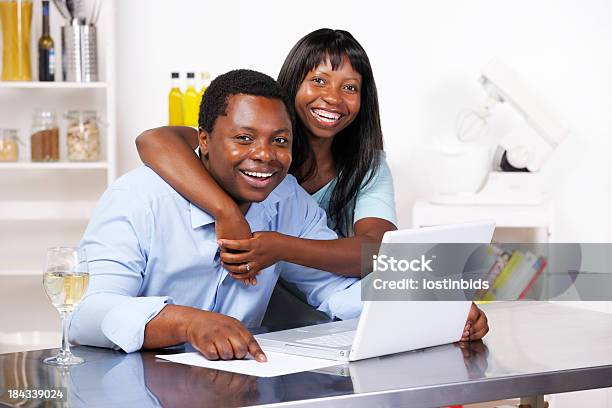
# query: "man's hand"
{"points": [[259, 252], [476, 326], [177, 385], [217, 336]]}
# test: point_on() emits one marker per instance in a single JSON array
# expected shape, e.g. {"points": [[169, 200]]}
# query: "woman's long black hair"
{"points": [[355, 149]]}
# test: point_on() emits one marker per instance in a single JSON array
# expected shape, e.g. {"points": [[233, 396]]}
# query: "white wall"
{"points": [[426, 58]]}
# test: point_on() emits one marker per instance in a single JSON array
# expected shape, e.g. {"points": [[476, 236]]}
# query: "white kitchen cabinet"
{"points": [[45, 204]]}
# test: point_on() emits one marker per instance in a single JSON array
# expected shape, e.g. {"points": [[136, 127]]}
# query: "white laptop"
{"points": [[387, 327]]}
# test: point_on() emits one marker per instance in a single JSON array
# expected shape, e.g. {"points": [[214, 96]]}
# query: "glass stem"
{"points": [[65, 326]]}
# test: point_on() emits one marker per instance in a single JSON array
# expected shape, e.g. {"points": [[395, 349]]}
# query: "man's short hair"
{"points": [[239, 81]]}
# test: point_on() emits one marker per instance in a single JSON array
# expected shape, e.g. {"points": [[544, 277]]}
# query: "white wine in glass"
{"points": [[65, 280]]}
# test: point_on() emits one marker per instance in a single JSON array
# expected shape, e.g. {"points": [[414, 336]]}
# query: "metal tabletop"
{"points": [[532, 349]]}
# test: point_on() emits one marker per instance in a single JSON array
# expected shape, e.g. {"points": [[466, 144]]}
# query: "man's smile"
{"points": [[258, 179]]}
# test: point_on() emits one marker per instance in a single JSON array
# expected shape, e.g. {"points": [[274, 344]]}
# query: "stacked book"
{"points": [[512, 273]]}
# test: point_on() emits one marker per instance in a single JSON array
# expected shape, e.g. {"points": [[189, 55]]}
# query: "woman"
{"points": [[337, 157]]}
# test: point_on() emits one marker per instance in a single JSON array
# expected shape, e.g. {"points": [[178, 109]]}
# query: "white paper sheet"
{"points": [[277, 364]]}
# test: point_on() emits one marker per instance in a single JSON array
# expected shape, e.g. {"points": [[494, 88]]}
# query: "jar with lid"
{"points": [[45, 136], [83, 135], [9, 145]]}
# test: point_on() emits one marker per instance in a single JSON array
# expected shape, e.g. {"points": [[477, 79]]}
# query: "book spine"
{"points": [[542, 265]]}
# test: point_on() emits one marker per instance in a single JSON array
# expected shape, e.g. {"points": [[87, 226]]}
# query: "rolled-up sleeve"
{"points": [[116, 242], [336, 296]]}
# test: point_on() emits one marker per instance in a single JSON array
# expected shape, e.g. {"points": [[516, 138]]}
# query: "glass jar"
{"points": [[83, 135], [44, 141], [9, 145], [16, 22]]}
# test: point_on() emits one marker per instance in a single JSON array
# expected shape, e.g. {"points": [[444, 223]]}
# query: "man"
{"points": [[156, 278]]}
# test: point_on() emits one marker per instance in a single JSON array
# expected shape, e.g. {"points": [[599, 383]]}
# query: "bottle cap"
{"points": [[175, 75], [190, 75]]}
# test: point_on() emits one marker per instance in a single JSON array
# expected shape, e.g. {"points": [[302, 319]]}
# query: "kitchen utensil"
{"points": [[80, 53], [93, 12], [63, 10], [97, 17]]}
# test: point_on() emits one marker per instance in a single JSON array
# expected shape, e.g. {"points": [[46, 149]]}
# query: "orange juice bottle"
{"points": [[16, 22], [175, 102], [191, 105]]}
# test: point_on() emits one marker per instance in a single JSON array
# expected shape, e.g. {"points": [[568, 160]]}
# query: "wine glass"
{"points": [[65, 280]]}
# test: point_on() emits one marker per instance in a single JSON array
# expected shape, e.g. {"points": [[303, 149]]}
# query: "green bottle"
{"points": [[46, 49]]}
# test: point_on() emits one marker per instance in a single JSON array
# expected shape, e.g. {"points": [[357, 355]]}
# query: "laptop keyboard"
{"points": [[341, 339]]}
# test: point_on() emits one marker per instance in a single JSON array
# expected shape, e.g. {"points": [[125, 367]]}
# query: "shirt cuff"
{"points": [[124, 324], [344, 305]]}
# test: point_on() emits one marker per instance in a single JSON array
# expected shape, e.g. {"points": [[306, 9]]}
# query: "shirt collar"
{"points": [[282, 192], [257, 216], [199, 217]]}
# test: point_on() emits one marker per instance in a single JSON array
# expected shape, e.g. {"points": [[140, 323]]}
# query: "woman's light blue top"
{"points": [[376, 199]]}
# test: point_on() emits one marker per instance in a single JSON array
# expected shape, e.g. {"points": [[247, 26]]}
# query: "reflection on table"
{"points": [[531, 349]]}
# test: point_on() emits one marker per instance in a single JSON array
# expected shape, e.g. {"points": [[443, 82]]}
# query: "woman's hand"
{"points": [[250, 256], [231, 224], [475, 357], [477, 325]]}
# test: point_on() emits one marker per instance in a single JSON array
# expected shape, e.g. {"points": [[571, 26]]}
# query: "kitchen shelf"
{"points": [[46, 210], [53, 165], [46, 204], [51, 85]]}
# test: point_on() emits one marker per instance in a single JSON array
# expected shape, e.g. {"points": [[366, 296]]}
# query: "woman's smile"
{"points": [[329, 99], [326, 117]]}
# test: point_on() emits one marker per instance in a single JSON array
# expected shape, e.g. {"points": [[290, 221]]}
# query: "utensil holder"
{"points": [[79, 53]]}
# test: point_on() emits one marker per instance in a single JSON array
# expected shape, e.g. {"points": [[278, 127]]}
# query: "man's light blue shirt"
{"points": [[148, 246]]}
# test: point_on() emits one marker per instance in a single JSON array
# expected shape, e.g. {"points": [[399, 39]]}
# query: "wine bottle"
{"points": [[46, 49]]}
